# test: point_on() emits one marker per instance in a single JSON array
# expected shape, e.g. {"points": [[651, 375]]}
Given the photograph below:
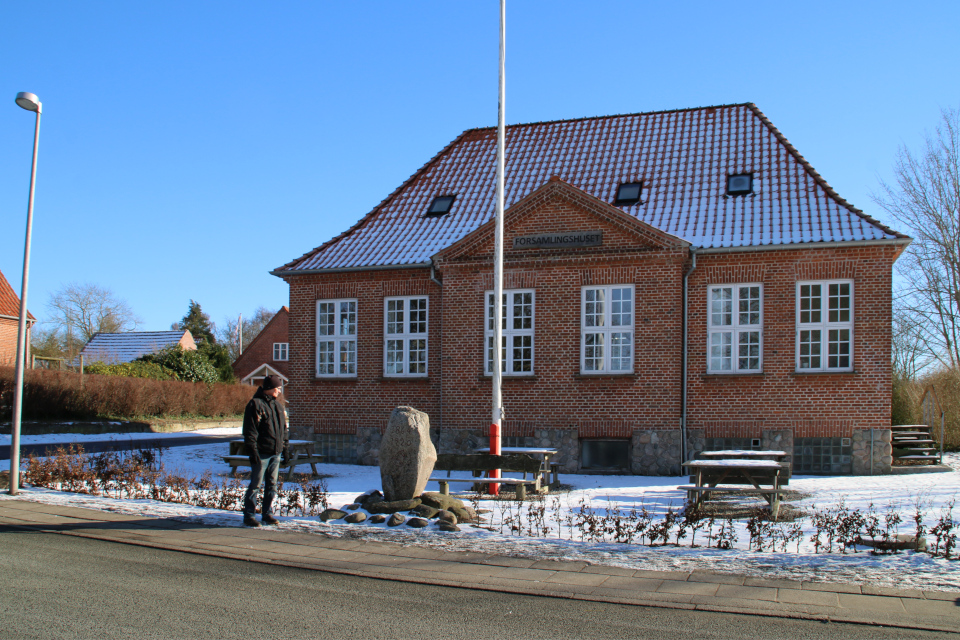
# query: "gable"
{"points": [[558, 217]]}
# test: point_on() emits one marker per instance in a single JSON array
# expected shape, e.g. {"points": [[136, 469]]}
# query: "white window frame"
{"points": [[606, 329], [737, 330], [510, 333], [405, 335], [281, 351], [826, 325], [342, 339]]}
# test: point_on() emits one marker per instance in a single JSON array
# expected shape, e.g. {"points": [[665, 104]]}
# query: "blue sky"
{"points": [[187, 148]]}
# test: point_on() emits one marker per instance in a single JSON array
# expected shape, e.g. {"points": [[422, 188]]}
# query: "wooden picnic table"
{"points": [[301, 452], [764, 476], [541, 453], [750, 454]]}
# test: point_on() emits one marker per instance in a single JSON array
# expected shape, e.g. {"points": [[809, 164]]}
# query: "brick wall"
{"points": [[810, 404], [8, 342], [558, 398]]}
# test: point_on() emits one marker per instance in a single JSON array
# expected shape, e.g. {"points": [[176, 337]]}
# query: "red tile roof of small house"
{"points": [[682, 158], [10, 301]]}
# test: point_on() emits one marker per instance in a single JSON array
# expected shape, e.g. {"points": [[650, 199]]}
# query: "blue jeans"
{"points": [[268, 468]]}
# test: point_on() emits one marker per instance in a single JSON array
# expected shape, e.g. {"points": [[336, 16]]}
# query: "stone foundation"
{"points": [[778, 440], [656, 453], [368, 445], [882, 451]]}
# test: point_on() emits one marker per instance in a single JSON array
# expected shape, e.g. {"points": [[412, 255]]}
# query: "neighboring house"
{"points": [[117, 348], [674, 281], [268, 353], [9, 324]]}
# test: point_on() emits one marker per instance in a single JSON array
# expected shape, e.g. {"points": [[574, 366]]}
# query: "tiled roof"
{"points": [[10, 301], [682, 158], [116, 348]]}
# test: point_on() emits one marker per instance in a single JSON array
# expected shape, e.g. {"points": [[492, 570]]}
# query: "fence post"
{"points": [[81, 371]]}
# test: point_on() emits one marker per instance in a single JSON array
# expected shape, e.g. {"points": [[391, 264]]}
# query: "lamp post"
{"points": [[30, 102]]}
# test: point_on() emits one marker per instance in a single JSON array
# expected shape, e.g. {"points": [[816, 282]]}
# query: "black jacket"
{"points": [[265, 425]]}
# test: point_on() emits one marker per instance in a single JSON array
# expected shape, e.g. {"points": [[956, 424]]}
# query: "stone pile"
{"points": [[446, 512]]}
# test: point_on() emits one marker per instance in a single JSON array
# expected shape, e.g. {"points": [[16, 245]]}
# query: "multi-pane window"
{"points": [[405, 337], [517, 326], [825, 326], [280, 351], [735, 328], [606, 340], [337, 338]]}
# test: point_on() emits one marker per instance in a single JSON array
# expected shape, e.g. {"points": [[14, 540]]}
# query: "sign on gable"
{"points": [[554, 240]]}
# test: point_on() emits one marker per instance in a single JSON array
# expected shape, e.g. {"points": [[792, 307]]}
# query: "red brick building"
{"points": [[9, 323], [268, 353], [674, 282]]}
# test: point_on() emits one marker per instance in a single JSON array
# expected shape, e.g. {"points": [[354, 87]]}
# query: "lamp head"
{"points": [[28, 101]]}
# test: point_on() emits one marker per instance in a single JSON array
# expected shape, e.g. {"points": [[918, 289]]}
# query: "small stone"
{"points": [[449, 527], [461, 513], [369, 495], [396, 520], [446, 517], [417, 523], [425, 511], [377, 519], [392, 507], [332, 514], [351, 507], [356, 517], [440, 501]]}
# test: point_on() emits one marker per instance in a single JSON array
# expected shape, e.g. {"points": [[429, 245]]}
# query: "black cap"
{"points": [[271, 382]]}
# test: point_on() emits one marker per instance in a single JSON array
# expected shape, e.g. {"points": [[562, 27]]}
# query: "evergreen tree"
{"points": [[198, 324]]}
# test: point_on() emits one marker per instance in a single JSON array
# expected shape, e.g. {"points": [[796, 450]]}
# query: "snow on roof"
{"points": [[117, 348], [10, 301], [683, 159]]}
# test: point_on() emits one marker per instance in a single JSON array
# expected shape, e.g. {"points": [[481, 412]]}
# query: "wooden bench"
{"points": [[484, 463], [244, 461]]}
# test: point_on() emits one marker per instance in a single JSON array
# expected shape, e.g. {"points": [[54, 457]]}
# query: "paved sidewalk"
{"points": [[935, 610]]}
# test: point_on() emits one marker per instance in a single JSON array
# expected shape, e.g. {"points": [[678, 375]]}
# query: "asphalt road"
{"points": [[58, 586], [129, 444]]}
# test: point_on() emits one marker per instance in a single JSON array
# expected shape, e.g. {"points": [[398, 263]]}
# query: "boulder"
{"points": [[332, 514], [449, 527], [377, 519], [440, 501], [462, 514], [396, 520], [369, 496], [392, 507], [407, 454], [425, 511], [417, 523], [355, 517], [447, 517]]}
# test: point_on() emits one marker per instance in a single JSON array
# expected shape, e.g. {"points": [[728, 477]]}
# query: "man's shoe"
{"points": [[269, 519], [250, 521]]}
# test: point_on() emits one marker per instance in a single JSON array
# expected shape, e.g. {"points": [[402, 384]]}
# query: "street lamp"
{"points": [[30, 102]]}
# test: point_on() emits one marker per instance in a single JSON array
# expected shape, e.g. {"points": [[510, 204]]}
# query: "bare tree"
{"points": [[910, 355], [252, 327], [78, 311], [926, 200]]}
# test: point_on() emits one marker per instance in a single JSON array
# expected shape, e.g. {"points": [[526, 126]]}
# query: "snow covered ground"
{"points": [[883, 494]]}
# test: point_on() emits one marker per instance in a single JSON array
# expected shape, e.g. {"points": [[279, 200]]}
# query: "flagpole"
{"points": [[497, 417]]}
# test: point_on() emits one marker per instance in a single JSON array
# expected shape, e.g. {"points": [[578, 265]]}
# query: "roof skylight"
{"points": [[440, 206], [740, 184], [628, 193]]}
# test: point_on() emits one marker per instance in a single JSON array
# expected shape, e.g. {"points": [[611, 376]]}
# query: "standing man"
{"points": [[267, 441]]}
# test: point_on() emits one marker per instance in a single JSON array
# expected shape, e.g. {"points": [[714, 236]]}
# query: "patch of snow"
{"points": [[933, 492]]}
